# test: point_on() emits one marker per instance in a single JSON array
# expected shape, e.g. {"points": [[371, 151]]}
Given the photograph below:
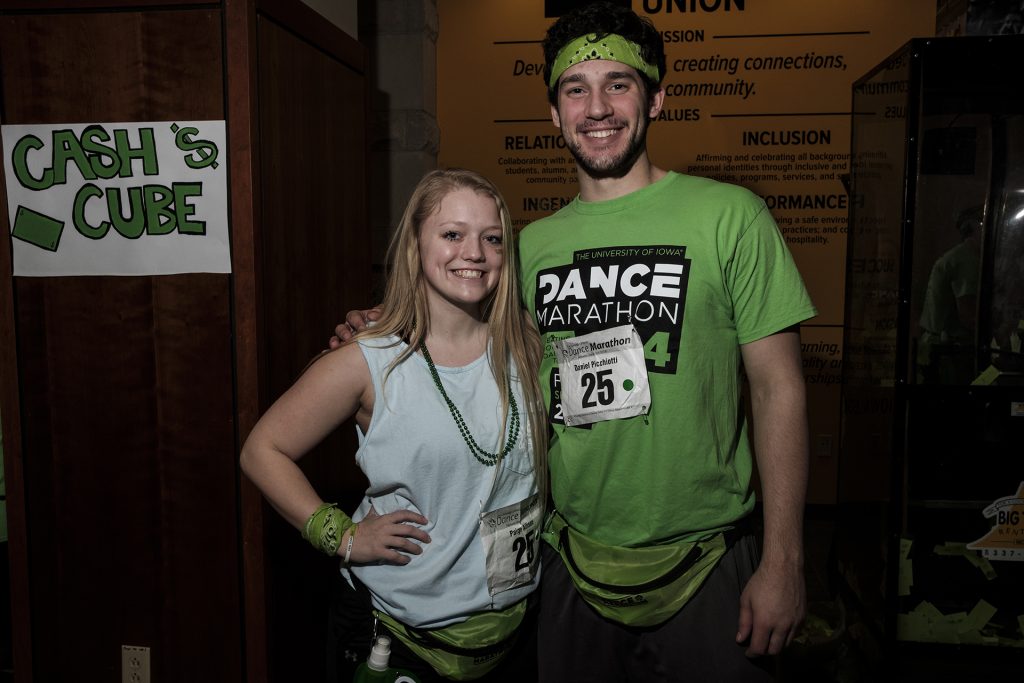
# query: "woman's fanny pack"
{"points": [[635, 586], [466, 650]]}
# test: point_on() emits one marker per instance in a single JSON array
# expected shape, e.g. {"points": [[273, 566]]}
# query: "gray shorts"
{"points": [[698, 644]]}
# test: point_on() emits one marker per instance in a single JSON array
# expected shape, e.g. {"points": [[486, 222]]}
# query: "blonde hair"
{"points": [[513, 336]]}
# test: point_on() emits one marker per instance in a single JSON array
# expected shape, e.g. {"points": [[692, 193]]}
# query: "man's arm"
{"points": [[772, 604]]}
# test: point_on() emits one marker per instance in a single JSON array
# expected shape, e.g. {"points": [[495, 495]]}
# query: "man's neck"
{"points": [[642, 174]]}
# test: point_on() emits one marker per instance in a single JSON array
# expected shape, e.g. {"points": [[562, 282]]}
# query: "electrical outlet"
{"points": [[134, 664]]}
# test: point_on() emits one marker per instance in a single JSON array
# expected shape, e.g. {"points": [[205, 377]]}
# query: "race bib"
{"points": [[603, 375], [510, 535]]}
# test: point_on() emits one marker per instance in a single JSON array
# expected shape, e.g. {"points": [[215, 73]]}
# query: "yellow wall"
{"points": [[758, 93]]}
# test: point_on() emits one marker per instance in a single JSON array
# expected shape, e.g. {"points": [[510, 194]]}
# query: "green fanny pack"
{"points": [[635, 586], [466, 650]]}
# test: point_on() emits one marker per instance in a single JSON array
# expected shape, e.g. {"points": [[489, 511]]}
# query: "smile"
{"points": [[599, 133], [468, 274]]}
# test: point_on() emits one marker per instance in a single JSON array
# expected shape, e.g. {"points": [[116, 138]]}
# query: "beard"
{"points": [[615, 166]]}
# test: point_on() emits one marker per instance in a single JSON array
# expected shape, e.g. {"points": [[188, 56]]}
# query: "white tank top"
{"points": [[416, 459]]}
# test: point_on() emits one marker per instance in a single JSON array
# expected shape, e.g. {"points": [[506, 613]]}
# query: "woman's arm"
{"points": [[334, 388]]}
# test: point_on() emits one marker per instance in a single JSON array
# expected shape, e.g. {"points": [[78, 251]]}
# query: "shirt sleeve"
{"points": [[768, 293]]}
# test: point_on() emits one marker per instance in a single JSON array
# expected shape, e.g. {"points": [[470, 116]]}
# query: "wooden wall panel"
{"points": [[200, 593], [315, 241], [128, 441], [129, 422], [242, 121]]}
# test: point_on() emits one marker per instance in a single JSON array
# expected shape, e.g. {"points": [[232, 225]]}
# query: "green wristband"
{"points": [[325, 527]]}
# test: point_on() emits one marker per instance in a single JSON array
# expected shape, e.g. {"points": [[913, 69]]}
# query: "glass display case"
{"points": [[932, 431]]}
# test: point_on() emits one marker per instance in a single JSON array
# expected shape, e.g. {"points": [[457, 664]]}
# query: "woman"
{"points": [[450, 422]]}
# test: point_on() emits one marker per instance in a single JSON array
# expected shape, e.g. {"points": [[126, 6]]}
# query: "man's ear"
{"points": [[555, 118], [657, 101]]}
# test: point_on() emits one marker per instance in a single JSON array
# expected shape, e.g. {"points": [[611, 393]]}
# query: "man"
{"points": [[706, 280], [696, 273], [947, 346]]}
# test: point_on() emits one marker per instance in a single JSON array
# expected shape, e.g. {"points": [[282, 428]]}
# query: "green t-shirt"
{"points": [[954, 276], [699, 268]]}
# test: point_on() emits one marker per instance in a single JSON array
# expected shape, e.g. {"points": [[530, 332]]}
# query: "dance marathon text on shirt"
{"points": [[607, 287], [639, 287]]}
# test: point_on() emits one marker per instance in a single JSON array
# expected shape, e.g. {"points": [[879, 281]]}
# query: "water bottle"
{"points": [[376, 668]]}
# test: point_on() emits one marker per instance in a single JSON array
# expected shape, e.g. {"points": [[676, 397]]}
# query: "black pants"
{"points": [[350, 634], [697, 645]]}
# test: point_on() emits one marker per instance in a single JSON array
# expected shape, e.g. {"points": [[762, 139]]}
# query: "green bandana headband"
{"points": [[612, 47]]}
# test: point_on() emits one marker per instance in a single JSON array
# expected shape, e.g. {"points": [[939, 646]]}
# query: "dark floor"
{"points": [[836, 645]]}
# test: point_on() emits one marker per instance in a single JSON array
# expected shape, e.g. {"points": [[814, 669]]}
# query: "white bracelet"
{"points": [[348, 546]]}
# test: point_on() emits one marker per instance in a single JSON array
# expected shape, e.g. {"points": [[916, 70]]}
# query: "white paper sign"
{"points": [[603, 375], [118, 198], [511, 536]]}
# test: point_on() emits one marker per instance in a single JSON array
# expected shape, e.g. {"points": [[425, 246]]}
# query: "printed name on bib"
{"points": [[603, 376], [510, 536]]}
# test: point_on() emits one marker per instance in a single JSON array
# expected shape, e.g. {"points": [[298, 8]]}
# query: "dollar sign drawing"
{"points": [[205, 151]]}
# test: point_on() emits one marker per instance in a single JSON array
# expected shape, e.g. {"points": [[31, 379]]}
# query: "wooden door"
{"points": [[125, 399], [313, 255], [125, 385]]}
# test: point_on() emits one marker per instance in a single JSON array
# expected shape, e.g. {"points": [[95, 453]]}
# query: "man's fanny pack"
{"points": [[635, 586], [466, 650]]}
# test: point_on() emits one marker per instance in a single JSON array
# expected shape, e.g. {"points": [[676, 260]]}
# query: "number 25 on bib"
{"points": [[603, 375]]}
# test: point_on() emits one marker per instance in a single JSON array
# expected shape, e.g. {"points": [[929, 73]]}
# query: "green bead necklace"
{"points": [[485, 458]]}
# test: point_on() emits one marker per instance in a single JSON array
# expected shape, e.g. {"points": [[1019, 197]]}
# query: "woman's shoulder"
{"points": [[386, 341], [344, 358], [380, 350]]}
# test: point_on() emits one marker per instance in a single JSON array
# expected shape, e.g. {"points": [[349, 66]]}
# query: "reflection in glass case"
{"points": [[933, 374]]}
